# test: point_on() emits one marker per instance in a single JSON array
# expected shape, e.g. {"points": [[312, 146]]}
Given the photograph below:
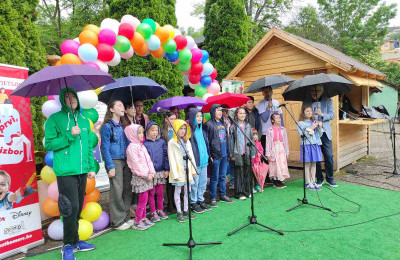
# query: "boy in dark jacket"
{"points": [[219, 149], [157, 149]]}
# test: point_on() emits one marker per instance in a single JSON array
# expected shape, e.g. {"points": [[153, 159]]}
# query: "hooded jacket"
{"points": [[194, 142], [213, 135], [157, 150], [73, 155], [177, 172], [138, 158]]}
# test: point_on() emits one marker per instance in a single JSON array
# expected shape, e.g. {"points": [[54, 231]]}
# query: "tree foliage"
{"points": [[394, 36]]}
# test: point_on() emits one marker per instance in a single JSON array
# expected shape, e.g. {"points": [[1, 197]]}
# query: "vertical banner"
{"points": [[20, 225]]}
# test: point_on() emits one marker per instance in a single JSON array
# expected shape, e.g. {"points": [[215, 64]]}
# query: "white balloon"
{"points": [[193, 86], [177, 32], [43, 141], [102, 65], [77, 40], [207, 95], [116, 60], [87, 99], [128, 54], [130, 20], [50, 107], [111, 24], [190, 42]]}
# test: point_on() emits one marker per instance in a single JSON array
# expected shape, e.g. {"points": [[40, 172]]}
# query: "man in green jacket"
{"points": [[73, 163]]}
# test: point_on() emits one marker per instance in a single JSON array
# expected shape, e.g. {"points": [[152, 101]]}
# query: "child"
{"points": [[142, 173], [242, 154], [177, 174], [157, 149], [259, 167], [201, 155], [113, 150], [312, 141], [277, 151], [7, 198]]}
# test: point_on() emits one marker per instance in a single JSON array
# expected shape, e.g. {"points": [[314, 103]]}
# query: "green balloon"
{"points": [[170, 46], [96, 166], [123, 44], [94, 140], [200, 91], [184, 67], [185, 55], [207, 116], [145, 30], [91, 114], [150, 22]]}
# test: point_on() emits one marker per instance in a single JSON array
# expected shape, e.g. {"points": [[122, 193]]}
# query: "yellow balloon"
{"points": [[85, 229], [47, 174], [97, 90], [157, 25], [171, 30], [91, 125], [91, 212]]}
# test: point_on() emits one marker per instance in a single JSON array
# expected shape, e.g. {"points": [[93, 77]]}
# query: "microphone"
{"points": [[162, 110], [283, 105]]}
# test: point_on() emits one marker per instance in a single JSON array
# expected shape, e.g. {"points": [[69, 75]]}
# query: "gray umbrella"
{"points": [[274, 81], [333, 84]]}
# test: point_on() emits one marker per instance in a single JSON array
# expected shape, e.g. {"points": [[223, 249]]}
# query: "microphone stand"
{"points": [[253, 217], [191, 243], [304, 200], [393, 137]]}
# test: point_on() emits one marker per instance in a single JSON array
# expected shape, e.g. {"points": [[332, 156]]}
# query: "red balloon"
{"points": [[125, 29], [194, 78], [106, 52], [181, 42], [197, 67], [214, 74]]}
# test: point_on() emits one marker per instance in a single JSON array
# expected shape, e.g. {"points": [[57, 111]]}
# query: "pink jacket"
{"points": [[138, 158], [270, 141]]}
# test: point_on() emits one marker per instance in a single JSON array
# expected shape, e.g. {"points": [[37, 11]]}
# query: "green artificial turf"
{"points": [[379, 239]]}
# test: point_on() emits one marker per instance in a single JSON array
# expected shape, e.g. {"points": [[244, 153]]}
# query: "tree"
{"points": [[191, 31], [226, 34], [394, 36]]}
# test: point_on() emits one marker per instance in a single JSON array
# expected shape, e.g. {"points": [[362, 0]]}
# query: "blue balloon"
{"points": [[87, 52], [205, 56], [172, 57], [48, 159], [153, 43], [205, 81]]}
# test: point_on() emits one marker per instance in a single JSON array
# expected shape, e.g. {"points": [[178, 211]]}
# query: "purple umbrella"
{"points": [[179, 102], [50, 80]]}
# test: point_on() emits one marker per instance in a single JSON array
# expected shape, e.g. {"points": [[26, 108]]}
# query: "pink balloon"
{"points": [[127, 54], [52, 191], [70, 46], [197, 54], [213, 88], [92, 64], [214, 74], [50, 98], [107, 36]]}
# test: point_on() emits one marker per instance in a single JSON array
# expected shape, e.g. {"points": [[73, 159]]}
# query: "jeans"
{"points": [[326, 149], [199, 186], [218, 177]]}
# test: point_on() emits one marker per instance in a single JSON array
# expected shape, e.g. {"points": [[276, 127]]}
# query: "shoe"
{"points": [[204, 206], [258, 189], [254, 191], [278, 184], [268, 181], [132, 210], [180, 217], [214, 203], [67, 253], [123, 226], [226, 199], [83, 246], [249, 196], [162, 214], [196, 208], [331, 183], [310, 186], [131, 222], [155, 218], [148, 222], [242, 197], [319, 183], [186, 215], [141, 225], [316, 187], [231, 186]]}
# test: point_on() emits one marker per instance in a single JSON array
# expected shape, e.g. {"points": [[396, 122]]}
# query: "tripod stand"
{"points": [[253, 217], [191, 243], [393, 137], [304, 199]]}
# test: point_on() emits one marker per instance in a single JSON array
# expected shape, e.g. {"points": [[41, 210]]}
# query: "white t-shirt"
{"points": [[262, 107]]}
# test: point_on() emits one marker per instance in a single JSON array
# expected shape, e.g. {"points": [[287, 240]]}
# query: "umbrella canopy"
{"points": [[179, 102], [226, 99], [260, 171], [50, 80], [333, 84], [131, 88], [274, 81]]}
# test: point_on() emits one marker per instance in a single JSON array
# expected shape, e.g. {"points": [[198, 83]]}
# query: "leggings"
{"points": [[177, 197], [159, 190], [141, 207]]}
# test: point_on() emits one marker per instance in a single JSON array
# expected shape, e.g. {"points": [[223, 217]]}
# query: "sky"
{"points": [[183, 9]]}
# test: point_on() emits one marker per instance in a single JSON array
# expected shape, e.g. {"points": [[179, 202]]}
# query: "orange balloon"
{"points": [[142, 51], [87, 36], [162, 33], [58, 63], [50, 208], [70, 58], [90, 185], [94, 196], [158, 53], [93, 28], [137, 41]]}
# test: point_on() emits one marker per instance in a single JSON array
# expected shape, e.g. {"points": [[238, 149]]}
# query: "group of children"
{"points": [[144, 160]]}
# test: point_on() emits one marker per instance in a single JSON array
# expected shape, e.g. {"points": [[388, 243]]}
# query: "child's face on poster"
{"points": [[3, 187]]}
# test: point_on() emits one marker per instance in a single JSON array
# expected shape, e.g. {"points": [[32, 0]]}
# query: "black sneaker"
{"points": [[226, 199], [180, 217], [186, 215], [278, 184], [196, 208], [204, 206], [268, 181], [214, 204]]}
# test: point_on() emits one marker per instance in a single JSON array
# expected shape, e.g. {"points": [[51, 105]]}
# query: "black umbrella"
{"points": [[333, 84], [274, 81]]}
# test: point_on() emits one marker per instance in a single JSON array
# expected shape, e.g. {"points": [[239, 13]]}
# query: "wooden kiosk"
{"points": [[279, 52]]}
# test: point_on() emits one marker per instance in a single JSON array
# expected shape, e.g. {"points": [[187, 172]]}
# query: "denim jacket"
{"points": [[113, 143], [328, 112], [311, 139]]}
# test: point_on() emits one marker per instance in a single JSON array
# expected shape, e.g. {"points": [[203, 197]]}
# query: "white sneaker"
{"points": [[124, 226], [131, 222], [254, 191], [242, 197]]}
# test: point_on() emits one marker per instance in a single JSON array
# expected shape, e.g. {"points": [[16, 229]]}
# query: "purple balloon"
{"points": [[70, 46], [56, 230], [102, 222]]}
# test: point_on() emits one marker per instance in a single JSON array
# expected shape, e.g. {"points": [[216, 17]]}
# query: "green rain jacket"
{"points": [[72, 155]]}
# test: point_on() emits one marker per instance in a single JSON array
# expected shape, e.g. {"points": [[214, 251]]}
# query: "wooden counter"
{"points": [[362, 121]]}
